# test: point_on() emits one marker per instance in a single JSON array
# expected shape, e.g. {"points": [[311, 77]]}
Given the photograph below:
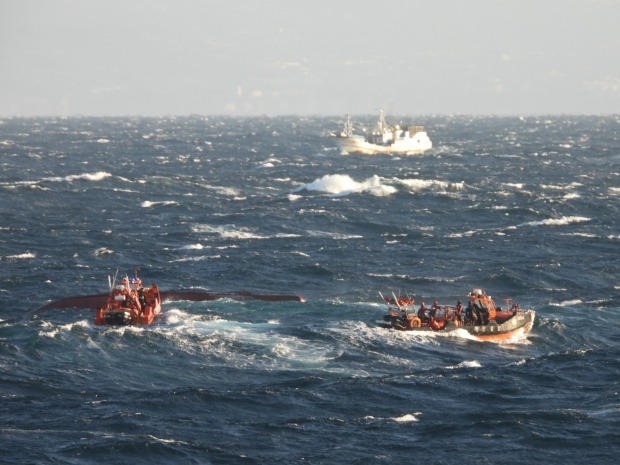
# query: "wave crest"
{"points": [[342, 184]]}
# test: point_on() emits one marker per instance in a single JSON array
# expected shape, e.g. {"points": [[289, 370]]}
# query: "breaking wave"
{"points": [[342, 184], [565, 220]]}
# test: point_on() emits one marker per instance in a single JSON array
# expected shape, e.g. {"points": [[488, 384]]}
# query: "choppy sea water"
{"points": [[525, 208]]}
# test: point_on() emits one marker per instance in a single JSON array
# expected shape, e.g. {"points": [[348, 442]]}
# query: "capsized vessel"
{"points": [[129, 303], [481, 318]]}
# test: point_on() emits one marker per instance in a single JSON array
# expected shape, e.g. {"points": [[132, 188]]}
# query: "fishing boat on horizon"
{"points": [[383, 139]]}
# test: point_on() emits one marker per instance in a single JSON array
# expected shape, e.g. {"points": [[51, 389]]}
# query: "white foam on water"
{"points": [[151, 204], [21, 256], [563, 221], [408, 418], [343, 184], [466, 364], [244, 343]]}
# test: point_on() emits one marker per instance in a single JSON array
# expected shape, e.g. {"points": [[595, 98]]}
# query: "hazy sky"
{"points": [[317, 57]]}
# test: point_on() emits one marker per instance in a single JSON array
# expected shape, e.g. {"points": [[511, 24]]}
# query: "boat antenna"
{"points": [[347, 131], [382, 125], [112, 280], [397, 304]]}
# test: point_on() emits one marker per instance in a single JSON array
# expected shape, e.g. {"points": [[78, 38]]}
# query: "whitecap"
{"points": [[333, 235], [226, 191], [569, 303], [21, 256], [342, 184], [175, 316], [98, 176], [192, 247], [408, 418], [150, 204], [459, 333], [565, 220], [301, 254], [243, 233], [200, 258], [52, 331], [466, 364], [332, 184], [421, 184], [587, 235], [102, 251], [228, 232], [462, 234], [561, 187]]}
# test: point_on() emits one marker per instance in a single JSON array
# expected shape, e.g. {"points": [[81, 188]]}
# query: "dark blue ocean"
{"points": [[526, 208]]}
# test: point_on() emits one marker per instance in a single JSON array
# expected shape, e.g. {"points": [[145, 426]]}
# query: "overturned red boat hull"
{"points": [[201, 296], [111, 309]]}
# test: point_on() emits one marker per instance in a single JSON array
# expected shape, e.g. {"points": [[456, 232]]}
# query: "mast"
{"points": [[382, 125], [347, 130]]}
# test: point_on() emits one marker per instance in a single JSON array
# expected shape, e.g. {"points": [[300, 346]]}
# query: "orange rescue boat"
{"points": [[481, 318], [130, 304]]}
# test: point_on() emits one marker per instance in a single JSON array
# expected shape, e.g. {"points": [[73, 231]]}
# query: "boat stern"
{"points": [[121, 317]]}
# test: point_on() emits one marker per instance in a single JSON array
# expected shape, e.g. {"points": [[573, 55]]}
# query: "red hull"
{"points": [[130, 305]]}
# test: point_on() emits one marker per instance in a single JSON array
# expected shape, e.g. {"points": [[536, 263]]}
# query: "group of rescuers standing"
{"points": [[479, 311], [474, 314]]}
